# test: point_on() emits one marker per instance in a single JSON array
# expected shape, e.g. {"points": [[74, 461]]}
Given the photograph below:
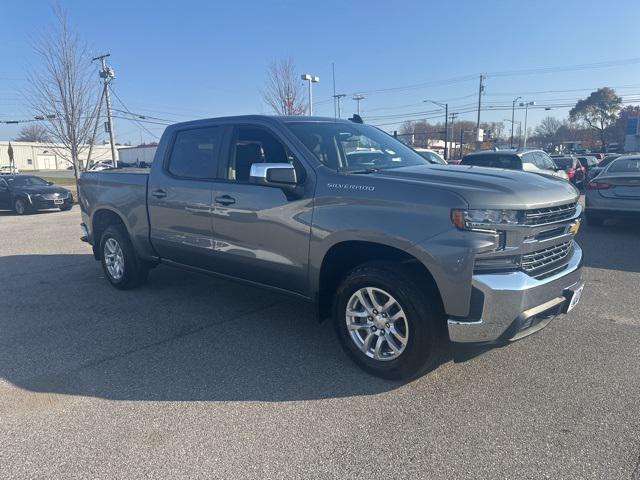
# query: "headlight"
{"points": [[486, 220]]}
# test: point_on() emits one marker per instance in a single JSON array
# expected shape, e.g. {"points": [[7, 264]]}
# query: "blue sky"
{"points": [[194, 59]]}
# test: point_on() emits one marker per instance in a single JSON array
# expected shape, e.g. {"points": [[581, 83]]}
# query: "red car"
{"points": [[575, 171]]}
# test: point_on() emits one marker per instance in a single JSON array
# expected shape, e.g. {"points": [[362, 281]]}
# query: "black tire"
{"points": [[135, 270], [594, 220], [66, 208], [21, 206], [423, 310]]}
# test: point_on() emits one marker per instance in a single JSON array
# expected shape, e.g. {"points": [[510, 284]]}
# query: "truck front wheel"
{"points": [[386, 322], [121, 265]]}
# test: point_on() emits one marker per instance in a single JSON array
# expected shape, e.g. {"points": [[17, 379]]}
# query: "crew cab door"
{"points": [[262, 233], [180, 194]]}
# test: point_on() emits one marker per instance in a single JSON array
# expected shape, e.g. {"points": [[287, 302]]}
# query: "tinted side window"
{"points": [[195, 153], [510, 162], [478, 160]]}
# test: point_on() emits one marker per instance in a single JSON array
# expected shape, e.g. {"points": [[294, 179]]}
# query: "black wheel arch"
{"points": [[343, 257], [102, 219]]}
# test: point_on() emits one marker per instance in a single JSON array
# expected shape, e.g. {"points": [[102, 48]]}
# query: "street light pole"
{"points": [[526, 114], [513, 114], [446, 125], [310, 79]]}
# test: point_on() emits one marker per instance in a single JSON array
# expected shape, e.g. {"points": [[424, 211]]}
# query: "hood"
{"points": [[485, 187], [40, 189]]}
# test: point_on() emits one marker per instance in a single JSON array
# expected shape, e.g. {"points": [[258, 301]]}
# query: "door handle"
{"points": [[159, 193], [225, 200]]}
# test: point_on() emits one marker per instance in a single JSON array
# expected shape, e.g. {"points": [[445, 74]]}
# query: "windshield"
{"points": [[26, 181], [563, 163], [432, 157], [625, 165], [354, 147]]}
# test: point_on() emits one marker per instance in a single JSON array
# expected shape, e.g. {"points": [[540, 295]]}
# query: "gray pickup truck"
{"points": [[401, 254]]}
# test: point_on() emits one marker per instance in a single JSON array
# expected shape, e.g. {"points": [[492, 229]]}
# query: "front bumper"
{"points": [[43, 204], [508, 306]]}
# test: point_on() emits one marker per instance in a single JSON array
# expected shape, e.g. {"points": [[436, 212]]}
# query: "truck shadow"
{"points": [[181, 337]]}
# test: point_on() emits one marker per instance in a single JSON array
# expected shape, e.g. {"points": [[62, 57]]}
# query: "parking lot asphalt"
{"points": [[195, 377]]}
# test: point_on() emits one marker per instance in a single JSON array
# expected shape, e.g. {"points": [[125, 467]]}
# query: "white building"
{"points": [[140, 155], [46, 156]]}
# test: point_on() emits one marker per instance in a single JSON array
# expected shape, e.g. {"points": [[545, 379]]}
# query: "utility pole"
{"points": [[107, 74], [333, 73], [480, 92], [337, 98], [95, 130], [513, 115], [357, 97], [446, 124], [452, 117]]}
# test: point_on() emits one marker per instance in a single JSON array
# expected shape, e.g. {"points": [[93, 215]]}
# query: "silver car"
{"points": [[615, 192]]}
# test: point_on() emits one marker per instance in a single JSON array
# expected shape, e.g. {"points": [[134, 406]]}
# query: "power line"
{"points": [[135, 119]]}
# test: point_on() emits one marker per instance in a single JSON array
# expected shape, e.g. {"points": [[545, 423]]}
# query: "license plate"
{"points": [[575, 298], [58, 201]]}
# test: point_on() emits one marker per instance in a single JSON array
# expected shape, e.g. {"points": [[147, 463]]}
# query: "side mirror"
{"points": [[49, 183], [279, 175]]}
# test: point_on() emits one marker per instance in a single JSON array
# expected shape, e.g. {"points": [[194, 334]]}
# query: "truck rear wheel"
{"points": [[120, 263], [386, 324]]}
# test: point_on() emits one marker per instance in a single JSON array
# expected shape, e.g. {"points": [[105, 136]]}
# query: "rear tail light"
{"points": [[571, 172], [597, 186]]}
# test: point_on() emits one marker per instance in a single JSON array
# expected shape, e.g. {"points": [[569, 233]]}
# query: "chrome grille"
{"points": [[54, 196], [542, 261], [541, 216]]}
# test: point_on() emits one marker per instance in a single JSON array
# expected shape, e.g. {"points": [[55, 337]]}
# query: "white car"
{"points": [[99, 166], [8, 170], [431, 156], [534, 161]]}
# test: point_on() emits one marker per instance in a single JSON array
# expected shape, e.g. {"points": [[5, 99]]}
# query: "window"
{"points": [[195, 153], [629, 165], [256, 145], [546, 162], [531, 159], [495, 160], [27, 181], [354, 147], [564, 162]]}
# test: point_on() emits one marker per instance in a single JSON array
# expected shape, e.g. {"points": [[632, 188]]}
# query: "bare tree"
{"points": [[63, 91], [283, 90], [547, 130], [33, 133]]}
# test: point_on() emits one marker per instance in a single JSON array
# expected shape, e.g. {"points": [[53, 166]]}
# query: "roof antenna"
{"points": [[356, 118]]}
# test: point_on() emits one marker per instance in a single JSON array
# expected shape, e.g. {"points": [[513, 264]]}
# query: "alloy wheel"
{"points": [[114, 259], [377, 324]]}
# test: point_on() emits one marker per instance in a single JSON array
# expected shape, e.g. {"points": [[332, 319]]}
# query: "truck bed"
{"points": [[122, 191]]}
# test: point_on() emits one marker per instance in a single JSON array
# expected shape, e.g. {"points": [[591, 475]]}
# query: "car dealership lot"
{"points": [[195, 377]]}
